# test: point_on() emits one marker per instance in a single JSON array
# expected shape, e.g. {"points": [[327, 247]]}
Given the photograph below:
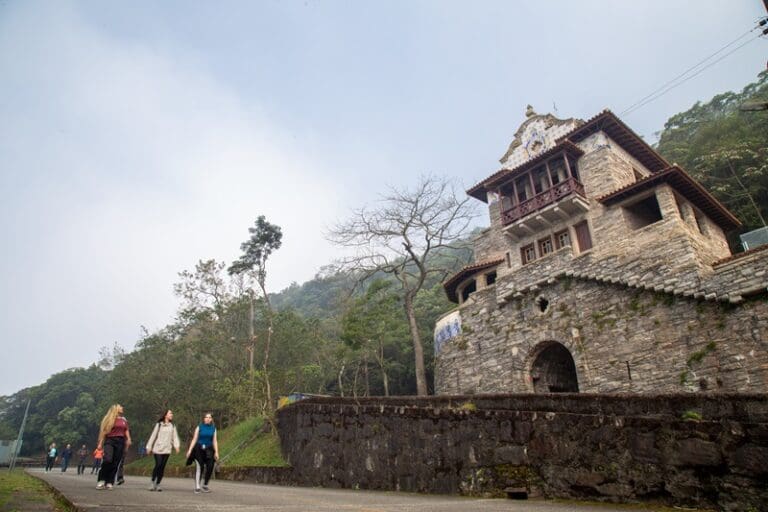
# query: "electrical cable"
{"points": [[667, 89], [668, 86]]}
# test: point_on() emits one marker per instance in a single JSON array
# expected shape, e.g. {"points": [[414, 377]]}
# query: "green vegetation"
{"points": [[726, 150], [697, 356], [19, 491], [691, 416], [243, 444]]}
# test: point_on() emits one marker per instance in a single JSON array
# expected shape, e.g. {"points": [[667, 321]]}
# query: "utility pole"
{"points": [[17, 446]]}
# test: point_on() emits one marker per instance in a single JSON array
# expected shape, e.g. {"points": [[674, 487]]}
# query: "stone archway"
{"points": [[553, 370]]}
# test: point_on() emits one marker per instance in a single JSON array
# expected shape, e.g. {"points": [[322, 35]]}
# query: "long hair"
{"points": [[162, 418], [108, 421]]}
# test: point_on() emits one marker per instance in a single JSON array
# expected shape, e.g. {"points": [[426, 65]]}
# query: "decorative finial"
{"points": [[529, 112]]}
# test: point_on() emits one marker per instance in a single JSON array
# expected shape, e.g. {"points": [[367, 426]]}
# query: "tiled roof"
{"points": [[451, 284], [740, 255], [685, 185], [607, 122]]}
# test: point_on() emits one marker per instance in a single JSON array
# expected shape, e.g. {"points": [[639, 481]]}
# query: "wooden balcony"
{"points": [[553, 205]]}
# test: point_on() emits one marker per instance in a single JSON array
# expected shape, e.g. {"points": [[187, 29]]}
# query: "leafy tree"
{"points": [[373, 326], [725, 149], [265, 239], [401, 238]]}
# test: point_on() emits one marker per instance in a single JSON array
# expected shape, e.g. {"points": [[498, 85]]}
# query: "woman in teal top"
{"points": [[204, 448]]}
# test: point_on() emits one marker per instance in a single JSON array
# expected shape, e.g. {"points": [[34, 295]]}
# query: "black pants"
{"points": [[204, 461], [49, 461], [160, 460], [113, 454], [81, 467]]}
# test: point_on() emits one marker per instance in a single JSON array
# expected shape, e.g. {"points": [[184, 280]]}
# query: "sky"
{"points": [[137, 138]]}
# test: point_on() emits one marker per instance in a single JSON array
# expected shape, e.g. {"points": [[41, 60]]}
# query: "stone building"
{"points": [[605, 269]]}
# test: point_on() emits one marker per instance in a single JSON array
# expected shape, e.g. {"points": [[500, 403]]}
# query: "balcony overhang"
{"points": [[547, 217]]}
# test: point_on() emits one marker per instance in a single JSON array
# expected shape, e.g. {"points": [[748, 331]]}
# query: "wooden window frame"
{"points": [[542, 244], [524, 250]]}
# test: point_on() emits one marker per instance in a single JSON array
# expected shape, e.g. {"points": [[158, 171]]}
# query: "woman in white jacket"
{"points": [[164, 438]]}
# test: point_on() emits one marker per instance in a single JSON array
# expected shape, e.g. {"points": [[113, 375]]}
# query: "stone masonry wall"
{"points": [[621, 340], [702, 450]]}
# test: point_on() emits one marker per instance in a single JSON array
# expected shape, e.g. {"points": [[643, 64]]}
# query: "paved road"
{"points": [[178, 495]]}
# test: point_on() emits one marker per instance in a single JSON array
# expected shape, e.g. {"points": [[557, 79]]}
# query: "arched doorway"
{"points": [[553, 370]]}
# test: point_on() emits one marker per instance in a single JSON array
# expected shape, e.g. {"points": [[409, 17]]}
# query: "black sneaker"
{"points": [[206, 489], [121, 481]]}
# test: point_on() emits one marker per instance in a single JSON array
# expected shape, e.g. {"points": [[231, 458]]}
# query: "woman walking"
{"points": [[114, 438], [204, 447], [50, 458], [164, 438]]}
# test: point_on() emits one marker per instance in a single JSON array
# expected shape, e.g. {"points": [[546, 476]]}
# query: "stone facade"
{"points": [[700, 450], [649, 300]]}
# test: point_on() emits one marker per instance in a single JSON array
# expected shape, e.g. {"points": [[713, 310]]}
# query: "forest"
{"points": [[361, 327]]}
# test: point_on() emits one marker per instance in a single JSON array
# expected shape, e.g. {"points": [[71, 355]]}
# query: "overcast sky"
{"points": [[137, 138]]}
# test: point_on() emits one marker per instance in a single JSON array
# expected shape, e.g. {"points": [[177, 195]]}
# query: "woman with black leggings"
{"points": [[114, 438], [164, 438], [204, 450]]}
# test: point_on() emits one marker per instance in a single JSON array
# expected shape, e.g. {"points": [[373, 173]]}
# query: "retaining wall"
{"points": [[703, 450]]}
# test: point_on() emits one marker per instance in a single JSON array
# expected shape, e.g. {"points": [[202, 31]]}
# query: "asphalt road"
{"points": [[178, 494]]}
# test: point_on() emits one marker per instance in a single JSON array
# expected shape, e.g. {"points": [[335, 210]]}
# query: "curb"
{"points": [[56, 493]]}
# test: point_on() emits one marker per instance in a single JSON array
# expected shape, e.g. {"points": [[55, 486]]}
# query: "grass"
{"points": [[19, 491], [243, 444]]}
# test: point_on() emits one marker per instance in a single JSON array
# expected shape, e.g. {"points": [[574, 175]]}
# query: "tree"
{"points": [[401, 238], [373, 327], [725, 149], [265, 239]]}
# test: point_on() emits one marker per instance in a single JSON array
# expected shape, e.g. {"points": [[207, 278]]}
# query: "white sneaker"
{"points": [[100, 486]]}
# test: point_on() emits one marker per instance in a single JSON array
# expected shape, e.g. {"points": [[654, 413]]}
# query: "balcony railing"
{"points": [[537, 202]]}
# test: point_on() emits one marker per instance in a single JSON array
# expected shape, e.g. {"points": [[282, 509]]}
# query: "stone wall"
{"points": [[621, 339], [702, 450]]}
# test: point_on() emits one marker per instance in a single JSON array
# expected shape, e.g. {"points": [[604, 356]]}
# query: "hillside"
{"points": [[242, 444]]}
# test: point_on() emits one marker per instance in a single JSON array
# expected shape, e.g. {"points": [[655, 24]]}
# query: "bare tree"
{"points": [[400, 237]]}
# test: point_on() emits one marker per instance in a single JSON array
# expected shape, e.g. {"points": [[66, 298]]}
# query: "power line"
{"points": [[678, 80], [654, 97]]}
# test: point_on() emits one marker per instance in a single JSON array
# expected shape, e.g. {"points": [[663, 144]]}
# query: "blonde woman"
{"points": [[164, 438], [204, 450], [114, 439]]}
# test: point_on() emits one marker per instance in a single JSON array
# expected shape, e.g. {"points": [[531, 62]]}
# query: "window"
{"points": [[490, 278], [557, 170], [523, 186], [583, 237], [701, 223], [545, 246], [643, 212], [574, 168], [468, 290], [528, 253], [562, 238], [506, 203], [540, 180]]}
